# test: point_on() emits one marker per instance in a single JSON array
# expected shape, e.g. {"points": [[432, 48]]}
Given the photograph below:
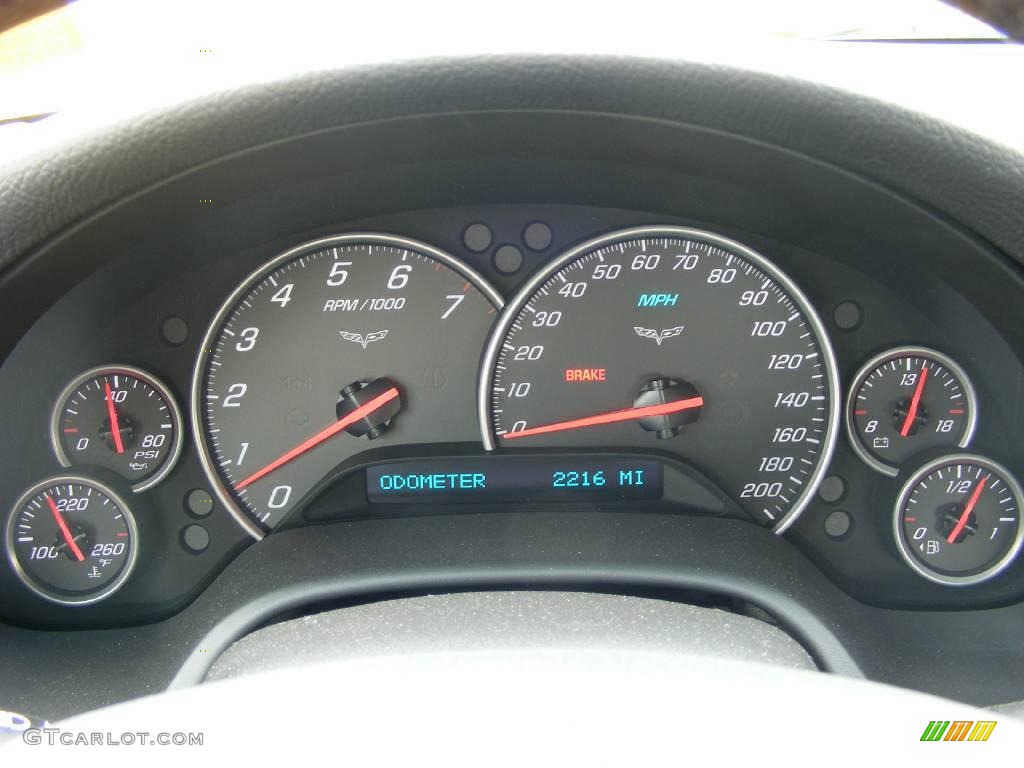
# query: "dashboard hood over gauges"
{"points": [[945, 167]]}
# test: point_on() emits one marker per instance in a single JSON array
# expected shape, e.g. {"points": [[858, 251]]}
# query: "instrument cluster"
{"points": [[634, 364]]}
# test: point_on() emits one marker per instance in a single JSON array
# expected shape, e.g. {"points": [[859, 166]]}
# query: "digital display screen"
{"points": [[484, 479]]}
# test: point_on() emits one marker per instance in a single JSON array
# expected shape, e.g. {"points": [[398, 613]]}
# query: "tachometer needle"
{"points": [[626, 414], [64, 530], [915, 403], [115, 428], [962, 522], [359, 413]]}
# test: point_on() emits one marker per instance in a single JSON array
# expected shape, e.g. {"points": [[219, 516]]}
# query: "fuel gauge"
{"points": [[908, 400], [957, 521]]}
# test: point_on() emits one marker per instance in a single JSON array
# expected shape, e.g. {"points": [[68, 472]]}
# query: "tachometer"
{"points": [[336, 342], [670, 339]]}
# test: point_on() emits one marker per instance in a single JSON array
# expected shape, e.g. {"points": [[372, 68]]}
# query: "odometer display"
{"points": [[670, 339], [489, 479]]}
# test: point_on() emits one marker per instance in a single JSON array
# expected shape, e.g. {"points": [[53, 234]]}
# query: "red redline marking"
{"points": [[910, 519], [860, 413], [968, 509], [915, 402], [115, 428], [70, 431], [956, 411], [121, 535], [626, 414], [65, 532], [359, 413]]}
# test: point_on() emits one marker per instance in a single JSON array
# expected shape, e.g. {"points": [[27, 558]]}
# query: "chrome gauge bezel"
{"points": [[515, 304], [245, 286], [128, 370], [25, 578], [878, 360], [904, 548]]}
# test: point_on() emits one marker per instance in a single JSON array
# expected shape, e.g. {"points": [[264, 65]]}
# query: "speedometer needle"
{"points": [[971, 503], [115, 428], [359, 413], [64, 530], [915, 403], [611, 417]]}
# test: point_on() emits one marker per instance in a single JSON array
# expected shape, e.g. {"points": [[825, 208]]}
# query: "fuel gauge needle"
{"points": [[358, 414], [611, 417], [971, 504], [64, 530]]}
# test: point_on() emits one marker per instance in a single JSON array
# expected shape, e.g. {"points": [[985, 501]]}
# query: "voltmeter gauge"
{"points": [[120, 418], [72, 540], [905, 401], [957, 521]]}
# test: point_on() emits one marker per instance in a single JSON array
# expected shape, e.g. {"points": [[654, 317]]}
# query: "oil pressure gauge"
{"points": [[957, 521], [120, 418], [907, 400]]}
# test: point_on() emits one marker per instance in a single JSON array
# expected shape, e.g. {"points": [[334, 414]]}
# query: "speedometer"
{"points": [[333, 344], [670, 340]]}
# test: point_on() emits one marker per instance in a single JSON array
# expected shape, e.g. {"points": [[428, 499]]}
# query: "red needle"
{"points": [[626, 414], [65, 531], [914, 403], [115, 428], [968, 509], [359, 413]]}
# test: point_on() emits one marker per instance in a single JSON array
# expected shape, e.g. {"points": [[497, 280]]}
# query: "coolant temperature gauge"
{"points": [[957, 521], [120, 418], [72, 540]]}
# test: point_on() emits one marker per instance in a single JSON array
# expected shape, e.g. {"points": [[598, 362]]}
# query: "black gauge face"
{"points": [[71, 540], [908, 400], [958, 520], [120, 418], [675, 340], [333, 345]]}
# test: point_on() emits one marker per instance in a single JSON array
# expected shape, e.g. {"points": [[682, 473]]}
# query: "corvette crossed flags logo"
{"points": [[362, 340], [658, 336]]}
